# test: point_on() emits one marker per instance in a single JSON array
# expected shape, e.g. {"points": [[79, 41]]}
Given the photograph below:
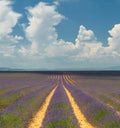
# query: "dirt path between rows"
{"points": [[79, 115], [37, 120]]}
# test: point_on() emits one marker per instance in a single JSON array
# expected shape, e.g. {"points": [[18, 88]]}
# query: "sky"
{"points": [[60, 34]]}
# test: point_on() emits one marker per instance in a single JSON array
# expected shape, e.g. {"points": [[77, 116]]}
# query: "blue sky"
{"points": [[60, 34]]}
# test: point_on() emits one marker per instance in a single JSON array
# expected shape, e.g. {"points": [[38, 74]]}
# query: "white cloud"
{"points": [[45, 45], [46, 50], [85, 36], [87, 43], [60, 48], [41, 30], [114, 40], [8, 20]]}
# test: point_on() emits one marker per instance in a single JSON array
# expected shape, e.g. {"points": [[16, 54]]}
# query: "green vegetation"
{"points": [[6, 89], [60, 123], [4, 102], [112, 124], [64, 106], [110, 102], [100, 114], [11, 121]]}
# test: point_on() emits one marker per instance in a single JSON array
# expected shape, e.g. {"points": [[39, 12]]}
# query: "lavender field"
{"points": [[59, 100]]}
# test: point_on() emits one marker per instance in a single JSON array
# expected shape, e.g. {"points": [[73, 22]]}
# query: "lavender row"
{"points": [[22, 87], [13, 82], [29, 96], [23, 109], [96, 113], [16, 79], [105, 89], [107, 85], [16, 85], [59, 113], [15, 96]]}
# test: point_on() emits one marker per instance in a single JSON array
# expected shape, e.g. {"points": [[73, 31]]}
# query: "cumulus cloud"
{"points": [[85, 36], [41, 29], [8, 20], [42, 34], [87, 43], [60, 48], [44, 44], [114, 40]]}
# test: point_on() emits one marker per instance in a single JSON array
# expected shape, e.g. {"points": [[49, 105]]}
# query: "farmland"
{"points": [[59, 100]]}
